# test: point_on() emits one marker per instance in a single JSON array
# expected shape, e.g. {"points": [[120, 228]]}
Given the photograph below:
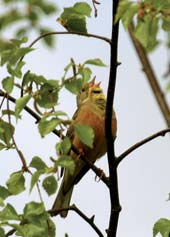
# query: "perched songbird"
{"points": [[91, 103]]}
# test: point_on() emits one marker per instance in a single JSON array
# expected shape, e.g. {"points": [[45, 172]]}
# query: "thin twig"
{"points": [[20, 153], [94, 6], [113, 188], [153, 81], [139, 144], [73, 207], [2, 102], [70, 33]]}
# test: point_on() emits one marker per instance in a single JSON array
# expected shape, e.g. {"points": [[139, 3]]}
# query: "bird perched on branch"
{"points": [[91, 103]]}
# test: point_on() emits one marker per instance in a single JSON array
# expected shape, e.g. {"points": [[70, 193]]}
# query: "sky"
{"points": [[144, 175]]}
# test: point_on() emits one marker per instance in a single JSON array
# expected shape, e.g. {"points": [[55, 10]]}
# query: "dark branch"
{"points": [[139, 144], [113, 188], [10, 232], [90, 221], [153, 81]]}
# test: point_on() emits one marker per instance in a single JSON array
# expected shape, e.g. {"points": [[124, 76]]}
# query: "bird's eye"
{"points": [[83, 90], [96, 91]]}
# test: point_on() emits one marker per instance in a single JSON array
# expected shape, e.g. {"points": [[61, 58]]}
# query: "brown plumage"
{"points": [[91, 111]]}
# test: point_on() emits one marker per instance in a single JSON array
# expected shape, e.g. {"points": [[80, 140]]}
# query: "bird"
{"points": [[91, 104]]}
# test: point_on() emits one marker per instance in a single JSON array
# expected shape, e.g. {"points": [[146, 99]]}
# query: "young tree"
{"points": [[30, 99]]}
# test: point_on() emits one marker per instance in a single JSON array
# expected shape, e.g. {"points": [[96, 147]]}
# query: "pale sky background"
{"points": [[144, 175]]}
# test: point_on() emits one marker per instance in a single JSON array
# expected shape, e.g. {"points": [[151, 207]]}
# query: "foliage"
{"points": [[26, 16], [150, 16]]}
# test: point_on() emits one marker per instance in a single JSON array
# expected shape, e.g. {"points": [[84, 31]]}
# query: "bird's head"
{"points": [[95, 94], [91, 92]]}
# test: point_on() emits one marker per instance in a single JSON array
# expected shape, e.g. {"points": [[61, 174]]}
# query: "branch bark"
{"points": [[70, 33], [139, 144], [73, 207], [153, 81], [113, 188]]}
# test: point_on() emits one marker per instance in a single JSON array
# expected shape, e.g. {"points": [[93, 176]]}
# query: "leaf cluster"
{"points": [[28, 15], [151, 15]]}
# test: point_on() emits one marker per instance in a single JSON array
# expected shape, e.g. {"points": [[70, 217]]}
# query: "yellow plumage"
{"points": [[91, 111]]}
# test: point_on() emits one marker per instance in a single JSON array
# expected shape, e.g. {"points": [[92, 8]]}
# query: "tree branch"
{"points": [[153, 81], [73, 207], [113, 188], [139, 144], [70, 33]]}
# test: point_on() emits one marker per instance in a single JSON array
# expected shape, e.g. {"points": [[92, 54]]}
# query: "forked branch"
{"points": [[74, 208]]}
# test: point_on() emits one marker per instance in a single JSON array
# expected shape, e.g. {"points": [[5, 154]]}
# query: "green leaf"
{"points": [[129, 14], [74, 86], [18, 228], [45, 127], [9, 213], [85, 134], [82, 8], [66, 162], [2, 232], [16, 71], [50, 185], [32, 230], [47, 8], [86, 73], [32, 77], [2, 146], [20, 104], [2, 202], [6, 132], [96, 62], [6, 112], [122, 8], [8, 84], [48, 40], [48, 94], [51, 228], [162, 226], [16, 183], [146, 32], [38, 163], [74, 18], [4, 193], [33, 209], [35, 178], [64, 146], [37, 221], [166, 24], [13, 55]]}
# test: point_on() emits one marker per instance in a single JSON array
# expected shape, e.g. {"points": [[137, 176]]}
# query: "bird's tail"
{"points": [[62, 200]]}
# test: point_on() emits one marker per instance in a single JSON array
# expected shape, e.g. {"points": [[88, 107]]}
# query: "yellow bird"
{"points": [[91, 103]]}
